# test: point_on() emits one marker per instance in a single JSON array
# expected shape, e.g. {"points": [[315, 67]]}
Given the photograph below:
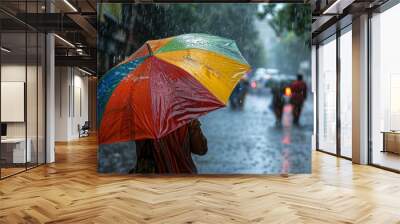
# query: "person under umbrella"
{"points": [[172, 153]]}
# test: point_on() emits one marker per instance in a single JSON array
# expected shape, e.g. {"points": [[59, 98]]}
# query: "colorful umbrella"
{"points": [[166, 84]]}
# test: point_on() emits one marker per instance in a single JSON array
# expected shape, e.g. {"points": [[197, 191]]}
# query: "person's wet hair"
{"points": [[299, 77]]}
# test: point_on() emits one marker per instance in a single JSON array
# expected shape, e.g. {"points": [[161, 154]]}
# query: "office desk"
{"points": [[391, 141], [13, 150]]}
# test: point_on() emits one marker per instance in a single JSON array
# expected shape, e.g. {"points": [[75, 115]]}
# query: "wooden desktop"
{"points": [[391, 141], [13, 151]]}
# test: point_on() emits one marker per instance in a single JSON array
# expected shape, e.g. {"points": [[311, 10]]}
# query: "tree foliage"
{"points": [[291, 18], [142, 22], [292, 26]]}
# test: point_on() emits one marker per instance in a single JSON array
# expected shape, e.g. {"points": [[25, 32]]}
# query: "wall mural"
{"points": [[204, 88]]}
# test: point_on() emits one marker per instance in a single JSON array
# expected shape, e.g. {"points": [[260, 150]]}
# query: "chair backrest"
{"points": [[86, 124]]}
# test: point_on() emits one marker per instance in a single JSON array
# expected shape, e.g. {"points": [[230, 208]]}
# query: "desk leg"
{"points": [[384, 142]]}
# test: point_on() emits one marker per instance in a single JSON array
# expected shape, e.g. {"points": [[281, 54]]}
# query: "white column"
{"points": [[50, 94], [360, 90]]}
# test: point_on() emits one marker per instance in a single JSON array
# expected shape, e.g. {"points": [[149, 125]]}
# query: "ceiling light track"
{"points": [[70, 5], [65, 41], [5, 50], [84, 71]]}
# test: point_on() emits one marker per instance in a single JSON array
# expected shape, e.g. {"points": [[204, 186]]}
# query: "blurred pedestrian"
{"points": [[172, 154], [237, 98], [244, 85], [299, 95], [278, 101], [234, 98]]}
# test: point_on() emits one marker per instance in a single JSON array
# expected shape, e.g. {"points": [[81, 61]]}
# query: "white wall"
{"points": [[33, 127], [71, 102], [62, 82], [13, 73], [80, 89]]}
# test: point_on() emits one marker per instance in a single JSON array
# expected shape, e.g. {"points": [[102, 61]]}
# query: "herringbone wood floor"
{"points": [[71, 191]]}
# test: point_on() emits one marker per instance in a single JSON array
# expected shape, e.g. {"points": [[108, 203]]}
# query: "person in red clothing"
{"points": [[171, 154], [299, 95]]}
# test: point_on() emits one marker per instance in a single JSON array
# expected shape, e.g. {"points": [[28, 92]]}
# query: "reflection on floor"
{"points": [[71, 191], [10, 169], [387, 159]]}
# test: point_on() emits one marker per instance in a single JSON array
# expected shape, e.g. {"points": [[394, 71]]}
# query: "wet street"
{"points": [[248, 141]]}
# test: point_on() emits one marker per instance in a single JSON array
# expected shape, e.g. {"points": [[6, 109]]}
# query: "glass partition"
{"points": [[327, 96], [385, 89], [14, 145], [31, 100], [22, 90], [41, 96], [346, 93]]}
